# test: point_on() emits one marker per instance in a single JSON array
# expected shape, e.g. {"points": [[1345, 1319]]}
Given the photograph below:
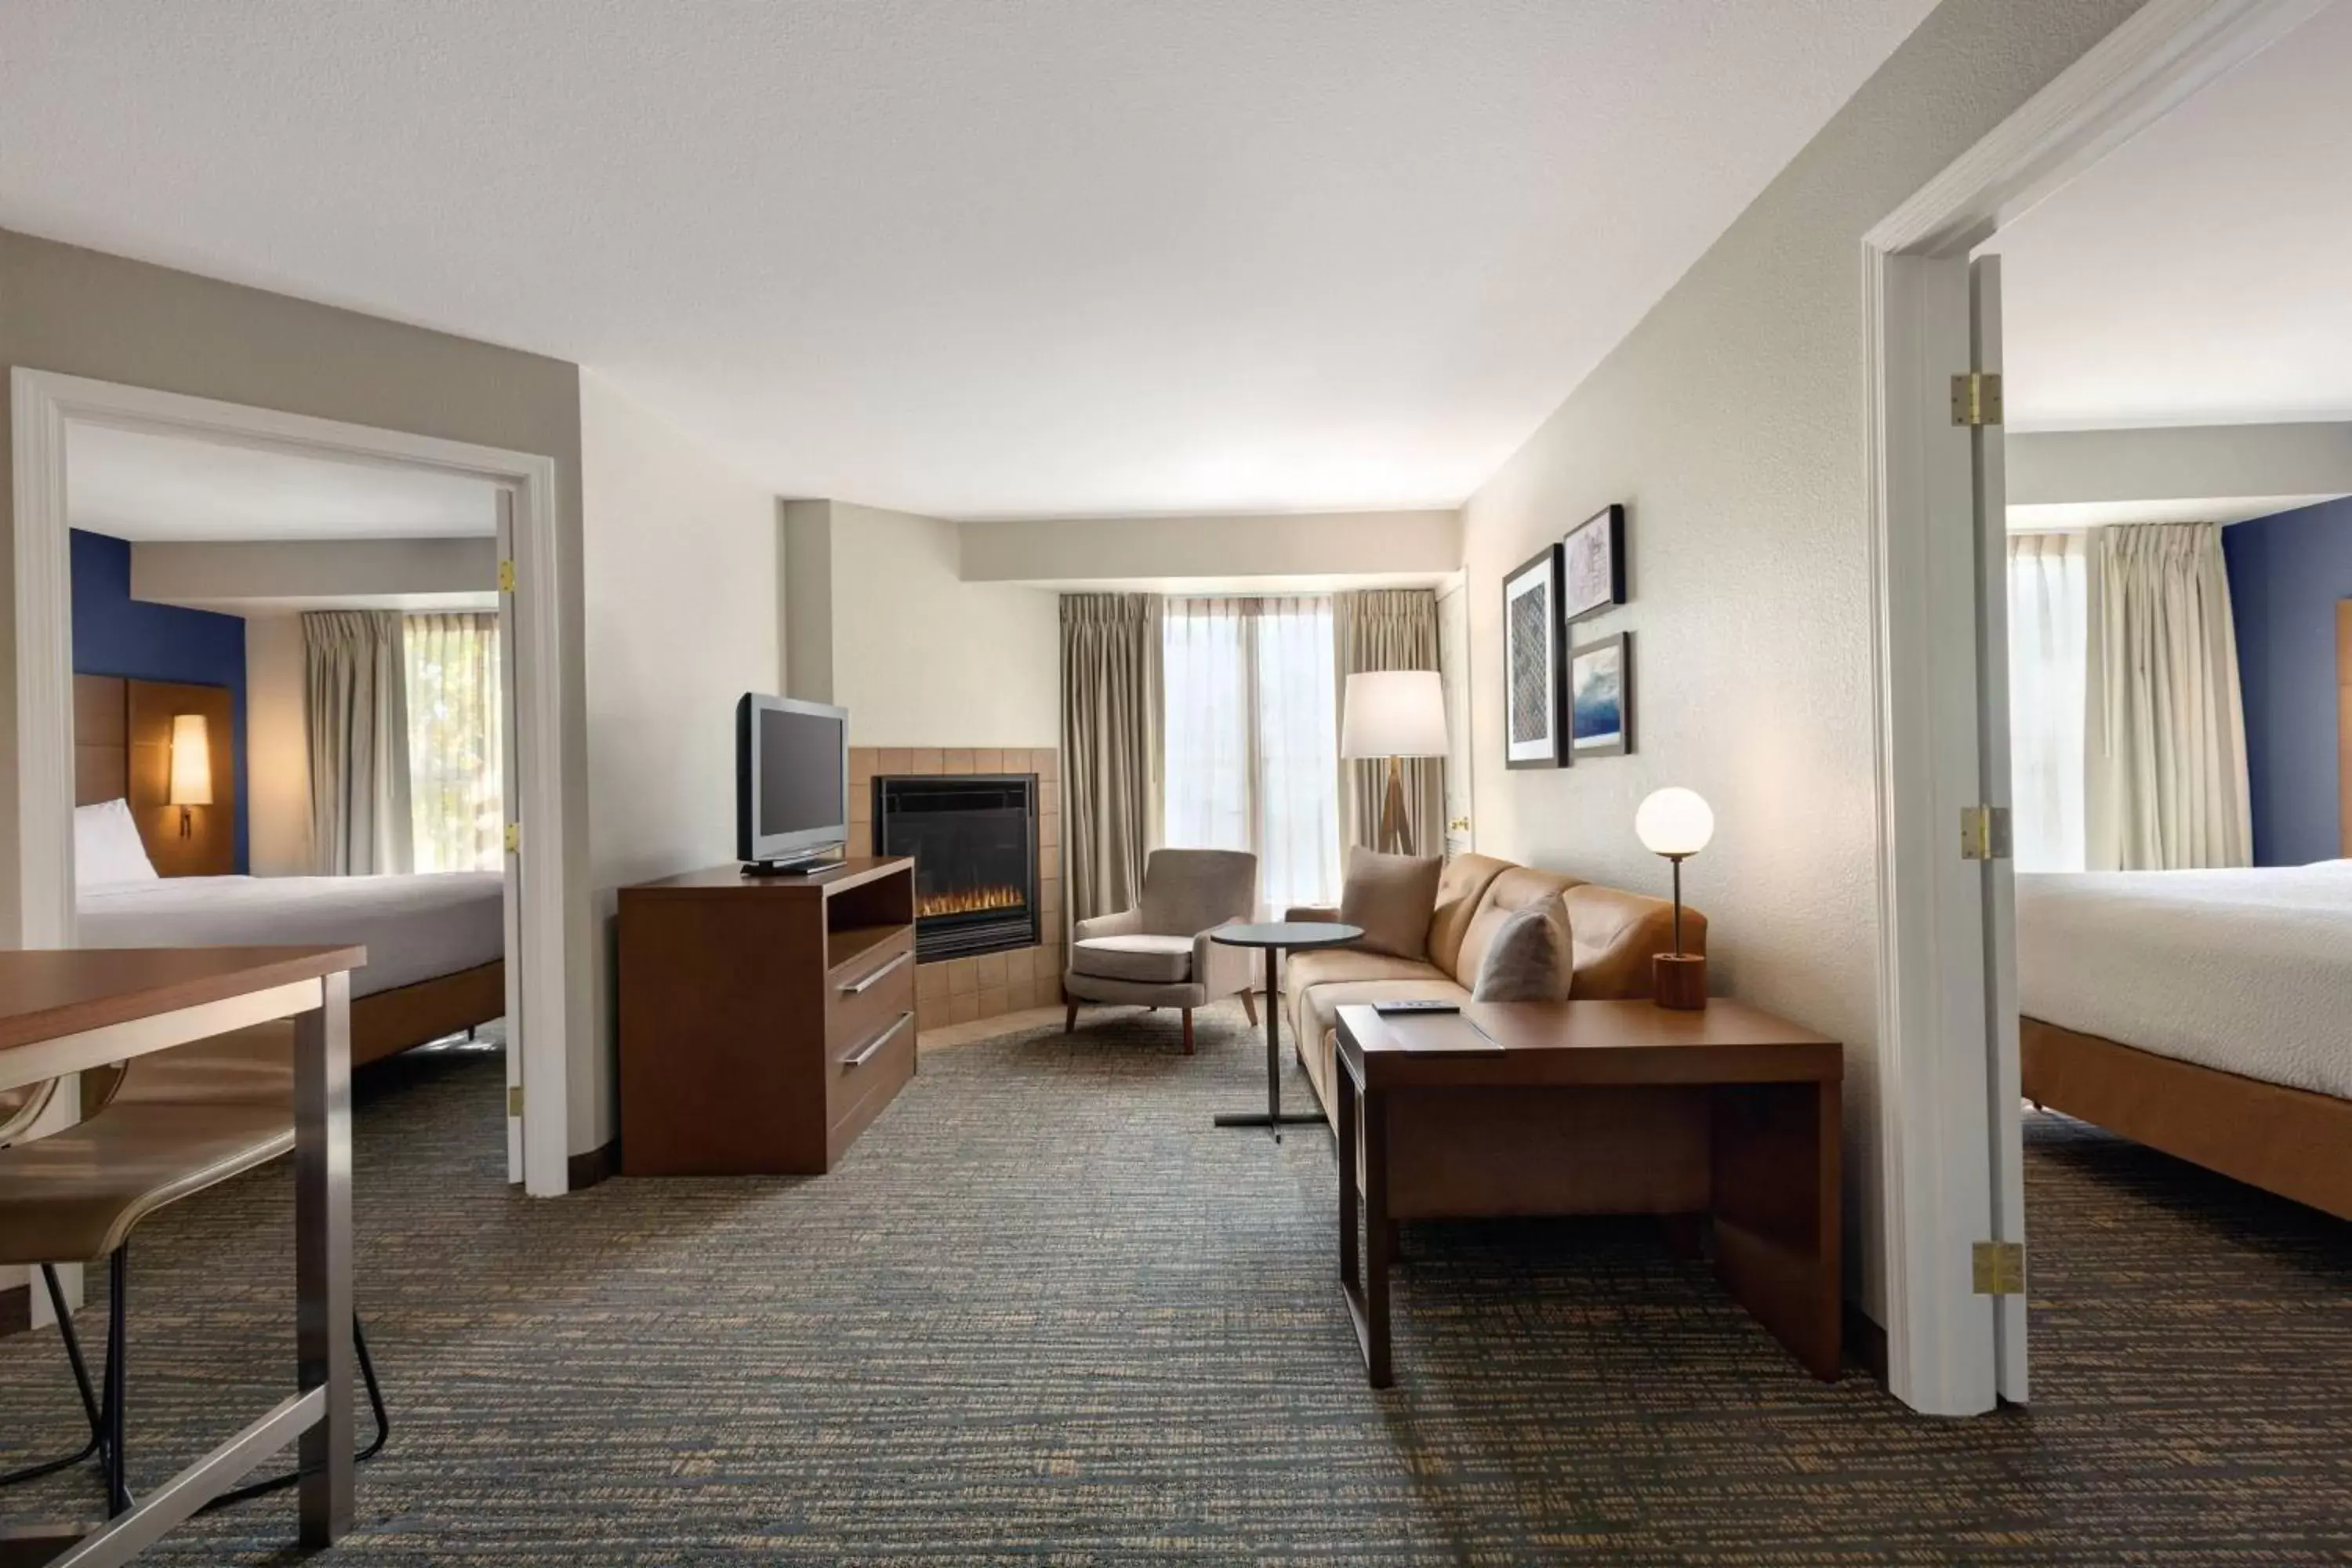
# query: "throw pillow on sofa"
{"points": [[1393, 898], [1531, 959]]}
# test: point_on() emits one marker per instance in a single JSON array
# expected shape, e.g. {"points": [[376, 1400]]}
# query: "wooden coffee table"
{"points": [[1723, 1122]]}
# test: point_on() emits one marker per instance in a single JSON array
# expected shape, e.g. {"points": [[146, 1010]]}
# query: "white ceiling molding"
{"points": [[2060, 481], [1289, 553], [1032, 258], [248, 578]]}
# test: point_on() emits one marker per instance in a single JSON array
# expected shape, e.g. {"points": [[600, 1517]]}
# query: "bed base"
{"points": [[2290, 1141], [387, 1022]]}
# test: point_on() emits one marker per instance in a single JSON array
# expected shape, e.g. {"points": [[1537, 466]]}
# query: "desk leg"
{"points": [[322, 1226], [1777, 1231], [1364, 1270]]}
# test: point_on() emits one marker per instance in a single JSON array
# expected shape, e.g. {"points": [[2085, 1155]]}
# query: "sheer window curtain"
{"points": [[455, 743], [2049, 644], [1252, 741]]}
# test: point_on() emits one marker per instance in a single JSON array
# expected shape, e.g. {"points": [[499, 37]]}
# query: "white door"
{"points": [[2003, 1112], [507, 771], [1454, 668]]}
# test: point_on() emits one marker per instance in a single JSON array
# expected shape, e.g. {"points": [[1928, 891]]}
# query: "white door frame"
{"points": [[45, 404], [1938, 1022]]}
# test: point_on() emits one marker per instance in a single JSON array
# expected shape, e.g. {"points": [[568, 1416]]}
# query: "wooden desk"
{"points": [[1728, 1116], [66, 1012]]}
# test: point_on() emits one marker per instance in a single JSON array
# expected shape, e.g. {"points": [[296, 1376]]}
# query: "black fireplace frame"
{"points": [[968, 933]]}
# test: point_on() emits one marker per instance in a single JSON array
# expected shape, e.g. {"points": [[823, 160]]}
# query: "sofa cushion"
{"points": [[1514, 889], [1392, 897], [1460, 886], [1155, 960], [1319, 1015], [1531, 958]]}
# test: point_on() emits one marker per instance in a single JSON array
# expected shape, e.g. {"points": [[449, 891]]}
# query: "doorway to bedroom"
{"points": [[303, 699]]}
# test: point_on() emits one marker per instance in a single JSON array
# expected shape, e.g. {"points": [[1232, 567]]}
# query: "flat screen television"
{"points": [[791, 782]]}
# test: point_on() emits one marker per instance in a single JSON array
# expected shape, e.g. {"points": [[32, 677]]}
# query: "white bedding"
{"points": [[2248, 970], [414, 928]]}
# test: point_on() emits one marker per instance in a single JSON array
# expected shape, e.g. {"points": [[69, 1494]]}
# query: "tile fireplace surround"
{"points": [[959, 990]]}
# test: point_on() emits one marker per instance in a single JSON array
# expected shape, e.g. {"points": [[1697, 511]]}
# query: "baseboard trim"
{"points": [[581, 1172], [1865, 1342], [15, 1310]]}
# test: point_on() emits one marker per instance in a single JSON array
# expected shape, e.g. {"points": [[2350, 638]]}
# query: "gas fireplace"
{"points": [[974, 843]]}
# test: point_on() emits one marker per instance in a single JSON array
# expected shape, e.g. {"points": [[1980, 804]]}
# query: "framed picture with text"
{"points": [[1592, 565]]}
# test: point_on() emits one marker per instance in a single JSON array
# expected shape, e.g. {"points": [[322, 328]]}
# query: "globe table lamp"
{"points": [[1676, 823]]}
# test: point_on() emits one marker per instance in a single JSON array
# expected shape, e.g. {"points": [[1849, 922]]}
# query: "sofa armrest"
{"points": [[1127, 923], [1327, 914], [1222, 968]]}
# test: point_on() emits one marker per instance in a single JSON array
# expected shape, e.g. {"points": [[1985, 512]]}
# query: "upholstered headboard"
{"points": [[122, 751]]}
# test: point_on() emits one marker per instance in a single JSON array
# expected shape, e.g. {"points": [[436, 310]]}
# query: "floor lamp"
{"points": [[1393, 713]]}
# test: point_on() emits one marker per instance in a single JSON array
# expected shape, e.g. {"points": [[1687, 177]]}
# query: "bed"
{"points": [[2207, 1014], [146, 879]]}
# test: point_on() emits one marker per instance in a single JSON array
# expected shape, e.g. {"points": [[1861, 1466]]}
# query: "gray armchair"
{"points": [[1158, 953]]}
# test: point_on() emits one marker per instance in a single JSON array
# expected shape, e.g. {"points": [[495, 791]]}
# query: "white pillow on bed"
{"points": [[106, 848]]}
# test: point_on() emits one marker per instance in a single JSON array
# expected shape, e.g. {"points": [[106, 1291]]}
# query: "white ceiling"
{"points": [[143, 487], [2201, 274], [1034, 257]]}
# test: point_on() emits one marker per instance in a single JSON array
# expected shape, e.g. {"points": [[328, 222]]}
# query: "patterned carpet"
{"points": [[1043, 1312]]}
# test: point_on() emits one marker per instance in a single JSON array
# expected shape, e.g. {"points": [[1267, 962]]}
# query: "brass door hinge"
{"points": [[514, 837], [1984, 833], [1976, 398], [514, 1099], [506, 577], [1998, 1268]]}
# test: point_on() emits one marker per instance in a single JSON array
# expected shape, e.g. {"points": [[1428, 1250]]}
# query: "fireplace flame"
{"points": [[970, 900]]}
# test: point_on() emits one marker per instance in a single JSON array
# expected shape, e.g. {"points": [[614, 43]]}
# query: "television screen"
{"points": [[799, 773]]}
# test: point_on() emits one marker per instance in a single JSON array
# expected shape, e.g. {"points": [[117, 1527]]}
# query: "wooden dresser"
{"points": [[765, 1020]]}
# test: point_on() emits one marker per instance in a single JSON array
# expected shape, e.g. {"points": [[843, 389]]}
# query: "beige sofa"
{"points": [[1615, 935]]}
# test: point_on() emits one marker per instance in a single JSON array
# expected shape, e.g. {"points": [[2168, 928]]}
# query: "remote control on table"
{"points": [[1391, 1009]]}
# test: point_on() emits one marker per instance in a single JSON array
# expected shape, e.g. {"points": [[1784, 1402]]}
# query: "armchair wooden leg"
{"points": [[1188, 1031], [1249, 1005], [1070, 1020]]}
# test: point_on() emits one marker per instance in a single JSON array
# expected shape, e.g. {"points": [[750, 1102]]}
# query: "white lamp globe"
{"points": [[1674, 822]]}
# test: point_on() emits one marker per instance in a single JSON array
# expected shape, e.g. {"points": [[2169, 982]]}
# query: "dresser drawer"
{"points": [[861, 1077], [865, 993]]}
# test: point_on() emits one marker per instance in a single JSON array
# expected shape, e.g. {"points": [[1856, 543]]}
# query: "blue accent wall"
{"points": [[2287, 572], [114, 634]]}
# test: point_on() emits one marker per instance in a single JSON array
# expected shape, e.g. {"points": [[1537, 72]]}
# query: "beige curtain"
{"points": [[1111, 715], [456, 814], [1388, 629], [358, 727], [2168, 787]]}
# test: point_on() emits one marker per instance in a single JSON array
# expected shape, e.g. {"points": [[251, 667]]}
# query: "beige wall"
{"points": [[1418, 545], [409, 573], [85, 313], [277, 748], [683, 589], [917, 655], [1730, 423]]}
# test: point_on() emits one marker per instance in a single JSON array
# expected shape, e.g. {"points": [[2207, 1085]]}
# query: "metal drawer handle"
{"points": [[867, 1052], [859, 988]]}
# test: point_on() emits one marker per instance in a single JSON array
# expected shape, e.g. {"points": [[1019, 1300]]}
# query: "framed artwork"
{"points": [[1601, 697], [1592, 565], [1531, 639]]}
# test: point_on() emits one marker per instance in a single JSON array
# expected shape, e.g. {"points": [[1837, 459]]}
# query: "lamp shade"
{"points": [[192, 761], [1393, 713], [1674, 821]]}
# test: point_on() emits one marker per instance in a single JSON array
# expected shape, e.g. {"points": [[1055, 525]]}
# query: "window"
{"points": [[2049, 653], [1252, 744], [456, 809]]}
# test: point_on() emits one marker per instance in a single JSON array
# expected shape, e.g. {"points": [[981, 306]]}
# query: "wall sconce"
{"points": [[192, 765]]}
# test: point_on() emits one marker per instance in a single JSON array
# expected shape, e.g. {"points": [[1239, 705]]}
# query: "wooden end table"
{"points": [[1723, 1122], [64, 1012], [1277, 937]]}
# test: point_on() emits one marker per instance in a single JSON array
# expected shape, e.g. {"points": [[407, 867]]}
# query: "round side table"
{"points": [[1278, 937]]}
